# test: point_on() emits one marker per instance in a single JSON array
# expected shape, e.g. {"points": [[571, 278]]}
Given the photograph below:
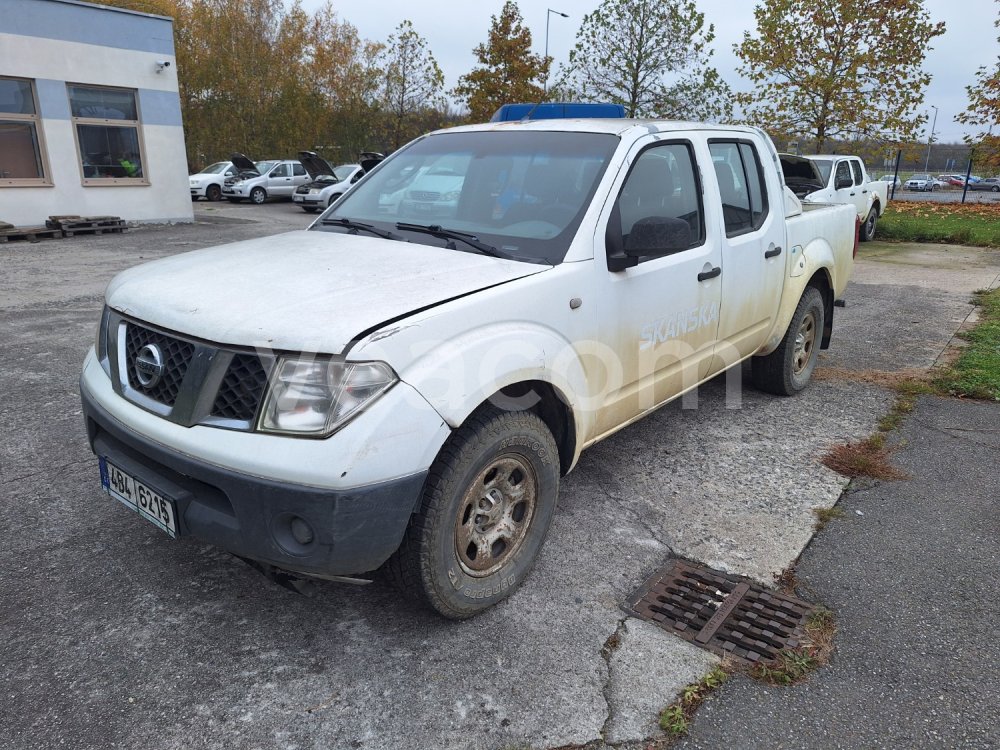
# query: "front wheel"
{"points": [[995, 189], [787, 370], [258, 195], [333, 199], [868, 228], [486, 508]]}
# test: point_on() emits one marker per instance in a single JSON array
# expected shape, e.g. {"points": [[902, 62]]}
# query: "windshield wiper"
{"points": [[451, 234], [355, 226]]}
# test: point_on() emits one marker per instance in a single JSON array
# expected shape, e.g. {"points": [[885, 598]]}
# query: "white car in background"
{"points": [[892, 180], [208, 182], [327, 183], [924, 183]]}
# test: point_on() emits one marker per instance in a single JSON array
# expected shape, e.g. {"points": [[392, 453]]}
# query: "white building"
{"points": [[90, 117]]}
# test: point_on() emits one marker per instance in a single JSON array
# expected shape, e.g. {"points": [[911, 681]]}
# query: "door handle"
{"points": [[706, 275], [852, 193], [864, 191], [772, 253]]}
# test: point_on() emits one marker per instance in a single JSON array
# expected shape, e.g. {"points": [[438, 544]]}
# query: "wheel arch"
{"points": [[822, 282]]}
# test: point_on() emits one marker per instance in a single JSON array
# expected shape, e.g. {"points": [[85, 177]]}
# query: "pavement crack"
{"points": [[607, 650], [632, 513], [47, 471]]}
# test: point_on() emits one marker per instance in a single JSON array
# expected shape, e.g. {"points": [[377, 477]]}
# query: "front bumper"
{"points": [[354, 530], [198, 191], [308, 199]]}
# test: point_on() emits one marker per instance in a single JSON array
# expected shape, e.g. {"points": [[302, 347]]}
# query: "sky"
{"points": [[453, 29]]}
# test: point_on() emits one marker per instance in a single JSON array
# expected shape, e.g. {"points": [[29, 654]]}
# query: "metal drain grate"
{"points": [[720, 612]]}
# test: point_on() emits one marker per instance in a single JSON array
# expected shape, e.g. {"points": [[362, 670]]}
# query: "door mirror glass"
{"points": [[843, 182], [656, 236]]}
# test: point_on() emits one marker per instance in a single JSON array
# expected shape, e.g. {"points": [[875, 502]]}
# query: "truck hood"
{"points": [[308, 291]]}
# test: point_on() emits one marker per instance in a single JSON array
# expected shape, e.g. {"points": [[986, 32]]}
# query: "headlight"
{"points": [[454, 195], [316, 396], [101, 341]]}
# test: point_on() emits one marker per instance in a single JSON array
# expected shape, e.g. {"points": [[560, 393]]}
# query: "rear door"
{"points": [[299, 174], [861, 199], [753, 252]]}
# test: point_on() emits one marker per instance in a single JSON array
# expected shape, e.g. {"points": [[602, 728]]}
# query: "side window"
{"points": [[662, 186], [298, 170], [843, 173], [279, 171], [856, 168], [741, 186]]}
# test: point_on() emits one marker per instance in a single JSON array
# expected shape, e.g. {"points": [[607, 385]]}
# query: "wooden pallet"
{"points": [[72, 225], [30, 234]]}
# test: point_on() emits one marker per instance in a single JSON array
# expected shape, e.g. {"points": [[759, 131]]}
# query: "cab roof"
{"points": [[614, 126]]}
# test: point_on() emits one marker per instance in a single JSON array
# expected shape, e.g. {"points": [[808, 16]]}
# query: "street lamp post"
{"points": [[930, 139], [548, 14]]}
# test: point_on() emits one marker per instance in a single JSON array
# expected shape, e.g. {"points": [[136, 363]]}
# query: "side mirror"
{"points": [[842, 182], [656, 236]]}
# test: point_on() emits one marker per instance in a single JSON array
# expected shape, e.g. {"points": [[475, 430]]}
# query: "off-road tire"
{"points": [[213, 193], [258, 195], [787, 370], [867, 233], [429, 566]]}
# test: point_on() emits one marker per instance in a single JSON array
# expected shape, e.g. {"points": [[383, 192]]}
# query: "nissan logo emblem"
{"points": [[149, 365]]}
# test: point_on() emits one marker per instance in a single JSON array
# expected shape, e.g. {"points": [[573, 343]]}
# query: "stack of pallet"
{"points": [[71, 225], [57, 227]]}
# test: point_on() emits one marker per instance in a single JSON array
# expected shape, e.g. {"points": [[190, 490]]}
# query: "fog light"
{"points": [[301, 531]]}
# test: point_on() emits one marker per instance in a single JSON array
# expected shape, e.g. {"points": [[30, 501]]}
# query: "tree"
{"points": [[507, 72], [984, 109], [843, 69], [652, 56], [412, 85]]}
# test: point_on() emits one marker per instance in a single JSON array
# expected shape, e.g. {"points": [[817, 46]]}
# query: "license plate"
{"points": [[151, 505]]}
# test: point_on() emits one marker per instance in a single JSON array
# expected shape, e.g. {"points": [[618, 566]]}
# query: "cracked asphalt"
{"points": [[114, 636]]}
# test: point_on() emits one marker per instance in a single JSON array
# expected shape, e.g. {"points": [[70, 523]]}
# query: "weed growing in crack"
{"points": [[825, 515], [794, 665], [675, 718]]}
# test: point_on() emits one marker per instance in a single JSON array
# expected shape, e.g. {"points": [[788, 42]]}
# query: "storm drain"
{"points": [[719, 612]]}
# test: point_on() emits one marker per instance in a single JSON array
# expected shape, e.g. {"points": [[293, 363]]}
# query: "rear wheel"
{"points": [[787, 370], [213, 193], [258, 195], [868, 228], [486, 508]]}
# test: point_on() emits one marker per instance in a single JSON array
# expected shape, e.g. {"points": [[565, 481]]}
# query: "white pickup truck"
{"points": [[838, 179], [404, 383]]}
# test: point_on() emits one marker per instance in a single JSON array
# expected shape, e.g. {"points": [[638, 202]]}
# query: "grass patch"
{"points": [[976, 371], [825, 515], [794, 665], [675, 718], [866, 458], [952, 223]]}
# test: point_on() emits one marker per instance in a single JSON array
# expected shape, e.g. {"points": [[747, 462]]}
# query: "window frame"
{"points": [[614, 240], [107, 122], [765, 208], [36, 120]]}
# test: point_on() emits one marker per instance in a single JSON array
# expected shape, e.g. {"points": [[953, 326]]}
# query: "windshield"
{"points": [[263, 167], [344, 171], [824, 166], [218, 168], [522, 193]]}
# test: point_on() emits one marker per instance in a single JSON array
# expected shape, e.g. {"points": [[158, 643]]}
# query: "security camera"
{"points": [[161, 64]]}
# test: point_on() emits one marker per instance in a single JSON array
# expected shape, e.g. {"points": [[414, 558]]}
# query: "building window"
{"points": [[22, 151], [108, 135]]}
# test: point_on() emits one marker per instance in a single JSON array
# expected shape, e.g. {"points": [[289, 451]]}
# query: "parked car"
{"points": [[379, 389], [923, 183], [208, 182], [326, 184], [258, 181], [990, 183], [892, 179], [837, 179]]}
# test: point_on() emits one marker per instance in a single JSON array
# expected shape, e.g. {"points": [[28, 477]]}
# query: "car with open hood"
{"points": [[326, 183], [262, 180]]}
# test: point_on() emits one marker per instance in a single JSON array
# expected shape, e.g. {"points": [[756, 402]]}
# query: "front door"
{"points": [[657, 320]]}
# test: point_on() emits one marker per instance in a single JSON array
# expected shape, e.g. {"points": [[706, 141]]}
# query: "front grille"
{"points": [[242, 389], [425, 195], [176, 355]]}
